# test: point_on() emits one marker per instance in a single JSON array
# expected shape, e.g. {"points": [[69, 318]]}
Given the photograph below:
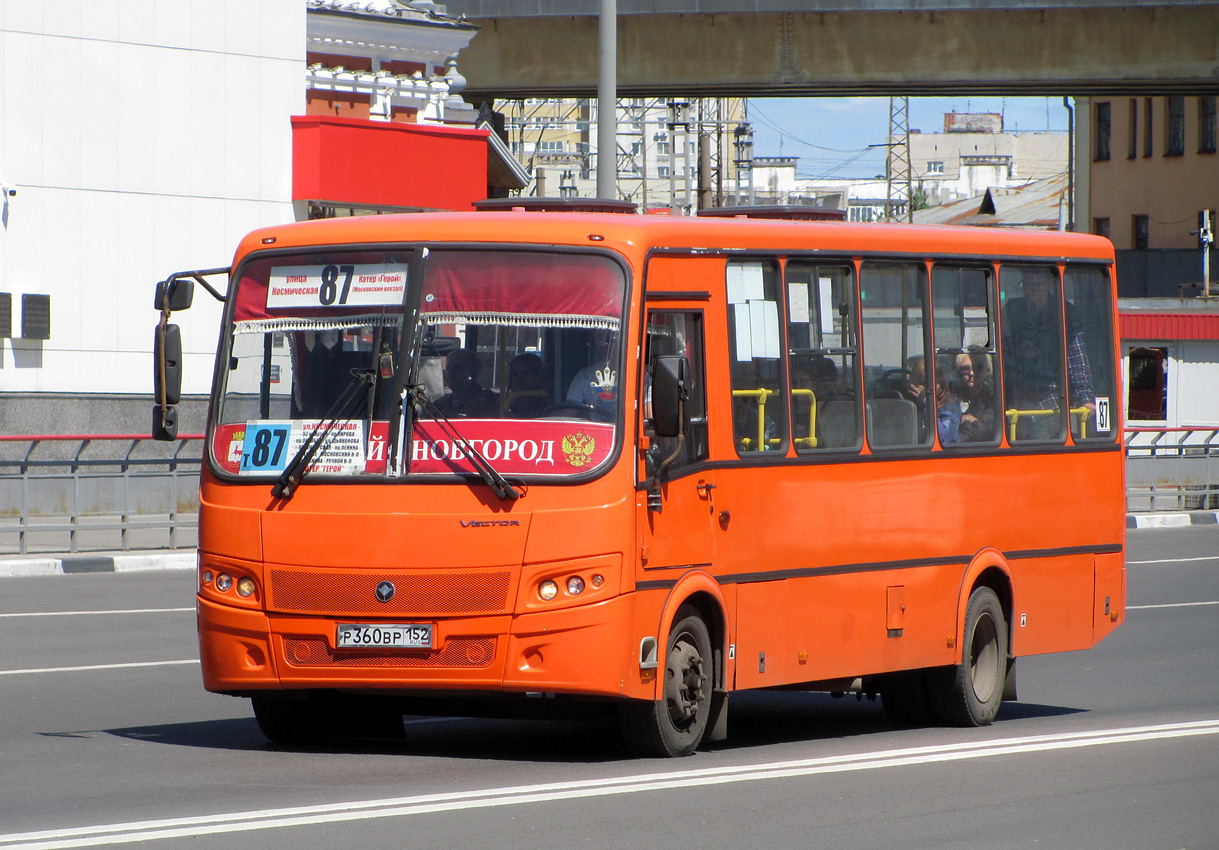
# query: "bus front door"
{"points": [[677, 489]]}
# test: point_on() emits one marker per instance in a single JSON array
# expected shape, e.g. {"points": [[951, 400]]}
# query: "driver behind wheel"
{"points": [[596, 385]]}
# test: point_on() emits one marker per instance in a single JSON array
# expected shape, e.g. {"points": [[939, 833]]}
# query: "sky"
{"points": [[831, 135]]}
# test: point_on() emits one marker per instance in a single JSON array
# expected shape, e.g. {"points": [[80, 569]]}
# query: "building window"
{"points": [[1175, 142], [1100, 226], [1206, 124], [935, 167], [1147, 127], [1133, 150], [1141, 228], [1104, 124]]}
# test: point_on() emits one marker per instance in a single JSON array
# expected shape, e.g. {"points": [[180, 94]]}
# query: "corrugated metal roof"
{"points": [[1034, 206]]}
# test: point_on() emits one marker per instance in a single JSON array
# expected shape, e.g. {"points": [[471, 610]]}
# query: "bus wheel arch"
{"points": [[988, 569], [690, 704]]}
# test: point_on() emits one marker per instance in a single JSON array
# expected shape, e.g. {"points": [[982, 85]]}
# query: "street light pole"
{"points": [[607, 99]]}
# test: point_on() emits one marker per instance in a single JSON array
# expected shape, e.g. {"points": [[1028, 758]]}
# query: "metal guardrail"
{"points": [[1172, 469], [94, 492]]}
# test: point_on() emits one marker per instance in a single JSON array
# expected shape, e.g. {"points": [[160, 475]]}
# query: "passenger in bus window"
{"points": [[947, 409], [1032, 350], [466, 397], [975, 388], [527, 395], [596, 385]]}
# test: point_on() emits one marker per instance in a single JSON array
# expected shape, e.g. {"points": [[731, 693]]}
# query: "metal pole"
{"points": [[1066, 101], [607, 99]]}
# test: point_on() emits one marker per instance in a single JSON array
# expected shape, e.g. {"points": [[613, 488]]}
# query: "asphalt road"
{"points": [[107, 737]]}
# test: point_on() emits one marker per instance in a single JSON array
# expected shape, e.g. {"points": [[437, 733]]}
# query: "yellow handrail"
{"points": [[762, 394], [1013, 416]]}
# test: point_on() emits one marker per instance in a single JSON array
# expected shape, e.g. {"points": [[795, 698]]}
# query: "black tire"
{"points": [[674, 725], [905, 699], [970, 693], [291, 721]]}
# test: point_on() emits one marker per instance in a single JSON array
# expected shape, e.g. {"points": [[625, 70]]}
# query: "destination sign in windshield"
{"points": [[335, 285]]}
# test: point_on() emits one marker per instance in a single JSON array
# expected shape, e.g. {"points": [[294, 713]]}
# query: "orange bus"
{"points": [[478, 459]]}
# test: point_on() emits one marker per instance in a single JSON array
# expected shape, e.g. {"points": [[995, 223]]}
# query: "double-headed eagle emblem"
{"points": [[578, 448]]}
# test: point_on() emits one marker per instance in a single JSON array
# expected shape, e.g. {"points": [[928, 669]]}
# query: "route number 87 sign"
{"points": [[336, 285]]}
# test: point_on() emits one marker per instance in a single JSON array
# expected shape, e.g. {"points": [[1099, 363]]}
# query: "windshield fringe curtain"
{"points": [[524, 320], [328, 323]]}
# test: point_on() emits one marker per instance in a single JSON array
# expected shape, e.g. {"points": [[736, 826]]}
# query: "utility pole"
{"points": [[743, 144], [897, 171], [679, 116], [607, 99]]}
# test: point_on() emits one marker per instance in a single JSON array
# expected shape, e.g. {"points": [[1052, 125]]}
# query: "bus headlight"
{"points": [[575, 585], [548, 590], [245, 586], [224, 582]]}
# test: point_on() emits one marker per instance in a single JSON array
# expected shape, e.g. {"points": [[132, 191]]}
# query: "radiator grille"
{"points": [[458, 652], [415, 593]]}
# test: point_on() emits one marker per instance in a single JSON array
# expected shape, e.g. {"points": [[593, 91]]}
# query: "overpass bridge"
{"points": [[547, 48]]}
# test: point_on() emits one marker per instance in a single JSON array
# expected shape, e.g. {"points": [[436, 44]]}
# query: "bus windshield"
{"points": [[515, 355]]}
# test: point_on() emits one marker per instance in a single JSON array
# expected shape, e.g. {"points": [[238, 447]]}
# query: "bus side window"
{"points": [[821, 355], [1091, 383], [961, 299], [1031, 317], [899, 387], [681, 333], [755, 344]]}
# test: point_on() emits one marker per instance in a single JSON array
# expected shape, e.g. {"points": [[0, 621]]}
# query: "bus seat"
{"points": [[892, 422], [836, 425]]}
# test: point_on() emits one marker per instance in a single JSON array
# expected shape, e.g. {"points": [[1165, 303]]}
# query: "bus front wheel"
{"points": [[674, 725], [969, 693]]}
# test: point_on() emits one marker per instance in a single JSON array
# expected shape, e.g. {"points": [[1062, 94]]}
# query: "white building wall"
{"points": [[143, 137], [1195, 396]]}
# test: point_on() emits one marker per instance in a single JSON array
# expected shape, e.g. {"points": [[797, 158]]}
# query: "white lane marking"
{"points": [[97, 667], [1170, 605], [88, 613], [1176, 560], [121, 833]]}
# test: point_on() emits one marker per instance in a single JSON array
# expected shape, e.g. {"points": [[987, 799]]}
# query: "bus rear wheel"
{"points": [[291, 721], [674, 725], [969, 693]]}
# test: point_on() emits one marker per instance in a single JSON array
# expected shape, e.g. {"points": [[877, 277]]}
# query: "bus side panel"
{"points": [[1052, 604], [1110, 603], [831, 627]]}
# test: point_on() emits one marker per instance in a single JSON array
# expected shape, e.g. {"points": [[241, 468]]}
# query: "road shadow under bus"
{"points": [[756, 719]]}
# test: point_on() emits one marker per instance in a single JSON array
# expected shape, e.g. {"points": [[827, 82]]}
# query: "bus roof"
{"points": [[639, 233]]}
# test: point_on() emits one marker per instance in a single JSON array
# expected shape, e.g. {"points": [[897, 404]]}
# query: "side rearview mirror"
{"points": [[166, 380], [174, 294], [669, 393]]}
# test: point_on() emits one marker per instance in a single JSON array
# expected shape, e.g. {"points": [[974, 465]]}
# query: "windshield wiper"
{"points": [[341, 412], [490, 476]]}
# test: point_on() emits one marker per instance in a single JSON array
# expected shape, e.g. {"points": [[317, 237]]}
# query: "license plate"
{"points": [[384, 636]]}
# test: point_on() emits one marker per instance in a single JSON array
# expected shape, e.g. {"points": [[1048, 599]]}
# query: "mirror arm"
{"points": [[655, 501], [198, 276]]}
